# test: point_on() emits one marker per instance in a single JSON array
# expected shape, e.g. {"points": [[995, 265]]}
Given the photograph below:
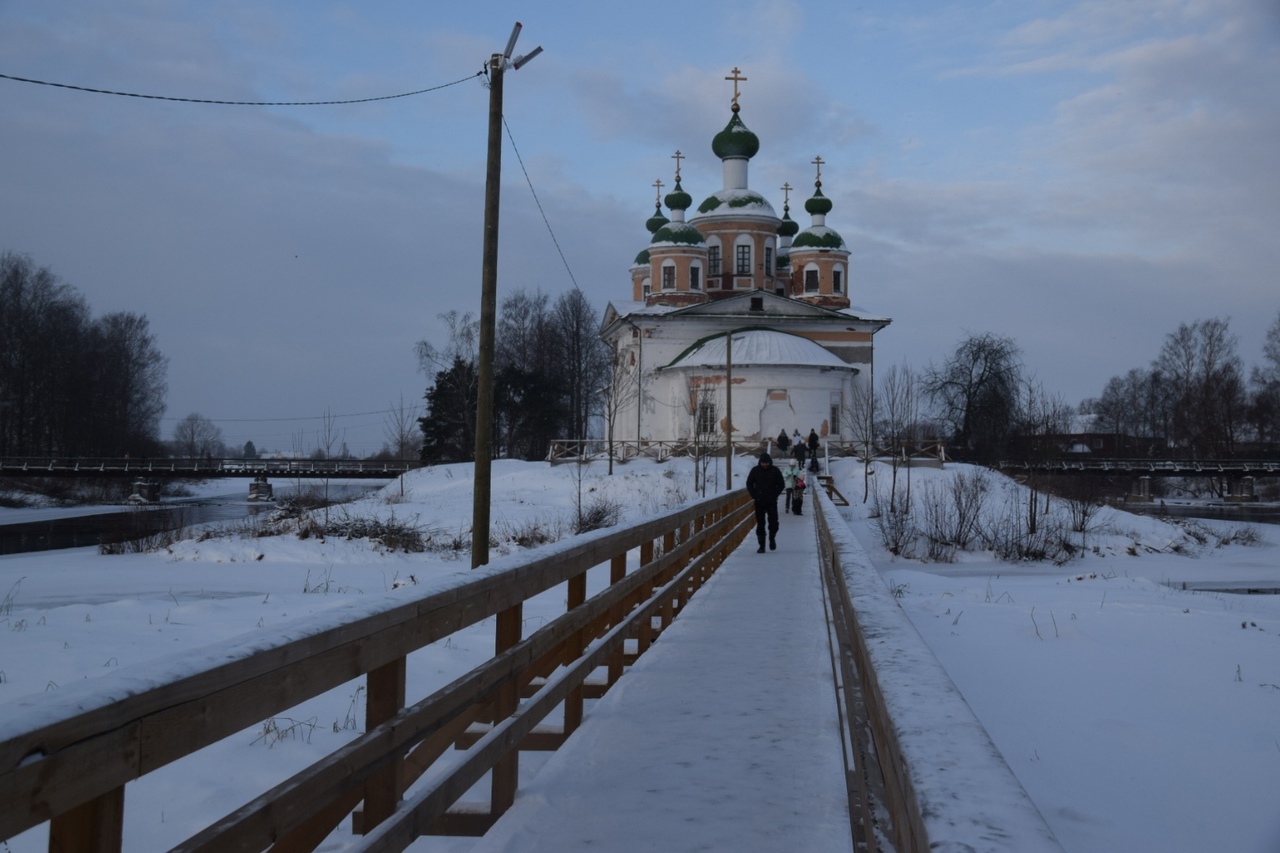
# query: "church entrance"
{"points": [[777, 414]]}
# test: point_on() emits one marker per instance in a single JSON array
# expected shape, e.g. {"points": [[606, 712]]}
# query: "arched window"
{"points": [[811, 278], [695, 276], [713, 256], [668, 275], [837, 279]]}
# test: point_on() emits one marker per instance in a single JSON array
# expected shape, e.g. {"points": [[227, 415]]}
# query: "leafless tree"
{"points": [[976, 391], [400, 431], [583, 359], [898, 412], [860, 414], [620, 390], [197, 437]]}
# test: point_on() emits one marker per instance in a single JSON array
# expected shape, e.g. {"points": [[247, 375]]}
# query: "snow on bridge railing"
{"points": [[66, 756], [942, 782]]}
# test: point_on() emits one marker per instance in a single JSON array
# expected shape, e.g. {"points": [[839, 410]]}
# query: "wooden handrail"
{"points": [[66, 763]]}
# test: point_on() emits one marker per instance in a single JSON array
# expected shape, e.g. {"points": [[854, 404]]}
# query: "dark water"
{"points": [[132, 523], [1244, 513]]}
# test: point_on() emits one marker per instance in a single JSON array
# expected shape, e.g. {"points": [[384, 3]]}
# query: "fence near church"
{"points": [[587, 450]]}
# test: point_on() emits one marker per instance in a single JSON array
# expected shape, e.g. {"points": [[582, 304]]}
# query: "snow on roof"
{"points": [[760, 347]]}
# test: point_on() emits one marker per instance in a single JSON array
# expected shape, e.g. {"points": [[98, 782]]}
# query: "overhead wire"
{"points": [[238, 103]]}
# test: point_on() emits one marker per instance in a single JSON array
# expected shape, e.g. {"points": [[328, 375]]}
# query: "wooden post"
{"points": [[93, 827], [506, 773], [384, 699], [617, 571], [573, 702]]}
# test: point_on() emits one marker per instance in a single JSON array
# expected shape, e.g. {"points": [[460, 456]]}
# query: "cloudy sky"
{"points": [[1080, 176]]}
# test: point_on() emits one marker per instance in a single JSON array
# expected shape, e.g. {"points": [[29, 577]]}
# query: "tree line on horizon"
{"points": [[1194, 400], [72, 384]]}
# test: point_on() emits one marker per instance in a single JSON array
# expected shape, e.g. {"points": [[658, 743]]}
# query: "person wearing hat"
{"points": [[764, 484]]}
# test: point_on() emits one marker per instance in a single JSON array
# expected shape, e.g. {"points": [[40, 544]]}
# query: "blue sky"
{"points": [[1080, 176]]}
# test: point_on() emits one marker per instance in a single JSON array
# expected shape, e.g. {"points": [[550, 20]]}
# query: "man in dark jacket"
{"points": [[764, 484]]}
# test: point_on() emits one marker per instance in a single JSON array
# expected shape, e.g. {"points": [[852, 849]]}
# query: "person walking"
{"points": [[789, 478], [765, 484], [813, 450], [784, 443], [799, 451]]}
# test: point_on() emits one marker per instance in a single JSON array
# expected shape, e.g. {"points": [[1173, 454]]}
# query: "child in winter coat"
{"points": [[789, 475]]}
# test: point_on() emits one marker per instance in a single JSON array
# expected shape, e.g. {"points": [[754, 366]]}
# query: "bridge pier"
{"points": [[1241, 490], [145, 490], [260, 489], [1141, 491]]}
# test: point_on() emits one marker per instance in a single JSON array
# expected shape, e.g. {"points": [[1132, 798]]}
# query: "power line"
{"points": [[238, 103], [284, 420], [536, 201]]}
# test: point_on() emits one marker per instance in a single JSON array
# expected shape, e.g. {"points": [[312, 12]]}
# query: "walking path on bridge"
{"points": [[723, 736]]}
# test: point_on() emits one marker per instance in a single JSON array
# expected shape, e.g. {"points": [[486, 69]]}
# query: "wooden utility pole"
{"points": [[728, 408], [497, 65]]}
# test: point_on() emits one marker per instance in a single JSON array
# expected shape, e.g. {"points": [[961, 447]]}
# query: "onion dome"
{"points": [[678, 199], [737, 201], [818, 203], [818, 235], [735, 141], [788, 227], [677, 233], [653, 223], [642, 259]]}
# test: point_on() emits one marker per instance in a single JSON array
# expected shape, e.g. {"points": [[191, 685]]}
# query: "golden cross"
{"points": [[736, 78], [818, 161], [786, 189], [677, 157], [658, 195]]}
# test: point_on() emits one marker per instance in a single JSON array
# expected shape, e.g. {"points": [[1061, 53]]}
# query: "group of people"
{"points": [[800, 448], [766, 483]]}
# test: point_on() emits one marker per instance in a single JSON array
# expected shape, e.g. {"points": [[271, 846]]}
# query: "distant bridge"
{"points": [[1230, 468], [169, 469]]}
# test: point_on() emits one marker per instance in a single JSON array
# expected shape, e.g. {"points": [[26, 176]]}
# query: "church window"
{"points": [[744, 260], [706, 417], [647, 288], [836, 406], [768, 261], [837, 281], [713, 260], [810, 281], [695, 278], [668, 278]]}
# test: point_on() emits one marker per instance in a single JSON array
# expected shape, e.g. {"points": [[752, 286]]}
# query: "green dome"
{"points": [[818, 237], [789, 227], [678, 199], [818, 204], [642, 258], [653, 223], [678, 232], [737, 200], [735, 141]]}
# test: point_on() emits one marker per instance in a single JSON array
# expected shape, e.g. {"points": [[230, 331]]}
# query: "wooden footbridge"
{"points": [[805, 645]]}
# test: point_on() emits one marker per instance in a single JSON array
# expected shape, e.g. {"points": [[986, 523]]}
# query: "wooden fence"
{"points": [[586, 450], [69, 767]]}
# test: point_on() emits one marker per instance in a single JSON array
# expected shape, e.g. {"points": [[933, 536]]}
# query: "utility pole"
{"points": [[728, 412], [497, 65]]}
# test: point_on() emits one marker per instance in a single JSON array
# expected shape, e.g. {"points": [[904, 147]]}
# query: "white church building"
{"points": [[736, 296]]}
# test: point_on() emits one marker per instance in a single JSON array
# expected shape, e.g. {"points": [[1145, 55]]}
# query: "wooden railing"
{"points": [[66, 761], [923, 774]]}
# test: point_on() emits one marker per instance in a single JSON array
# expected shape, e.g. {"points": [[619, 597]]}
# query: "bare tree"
{"points": [[400, 431], [583, 359], [898, 411], [976, 392], [704, 430], [622, 387], [197, 437], [859, 413]]}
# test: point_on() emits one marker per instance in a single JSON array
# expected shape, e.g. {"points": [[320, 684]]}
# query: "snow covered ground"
{"points": [[1137, 715]]}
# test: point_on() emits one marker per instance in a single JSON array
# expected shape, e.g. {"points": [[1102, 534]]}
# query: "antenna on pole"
{"points": [[511, 42]]}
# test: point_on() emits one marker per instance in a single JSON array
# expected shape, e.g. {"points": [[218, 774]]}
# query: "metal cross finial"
{"points": [[658, 195], [736, 78], [818, 161], [786, 190], [677, 157]]}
